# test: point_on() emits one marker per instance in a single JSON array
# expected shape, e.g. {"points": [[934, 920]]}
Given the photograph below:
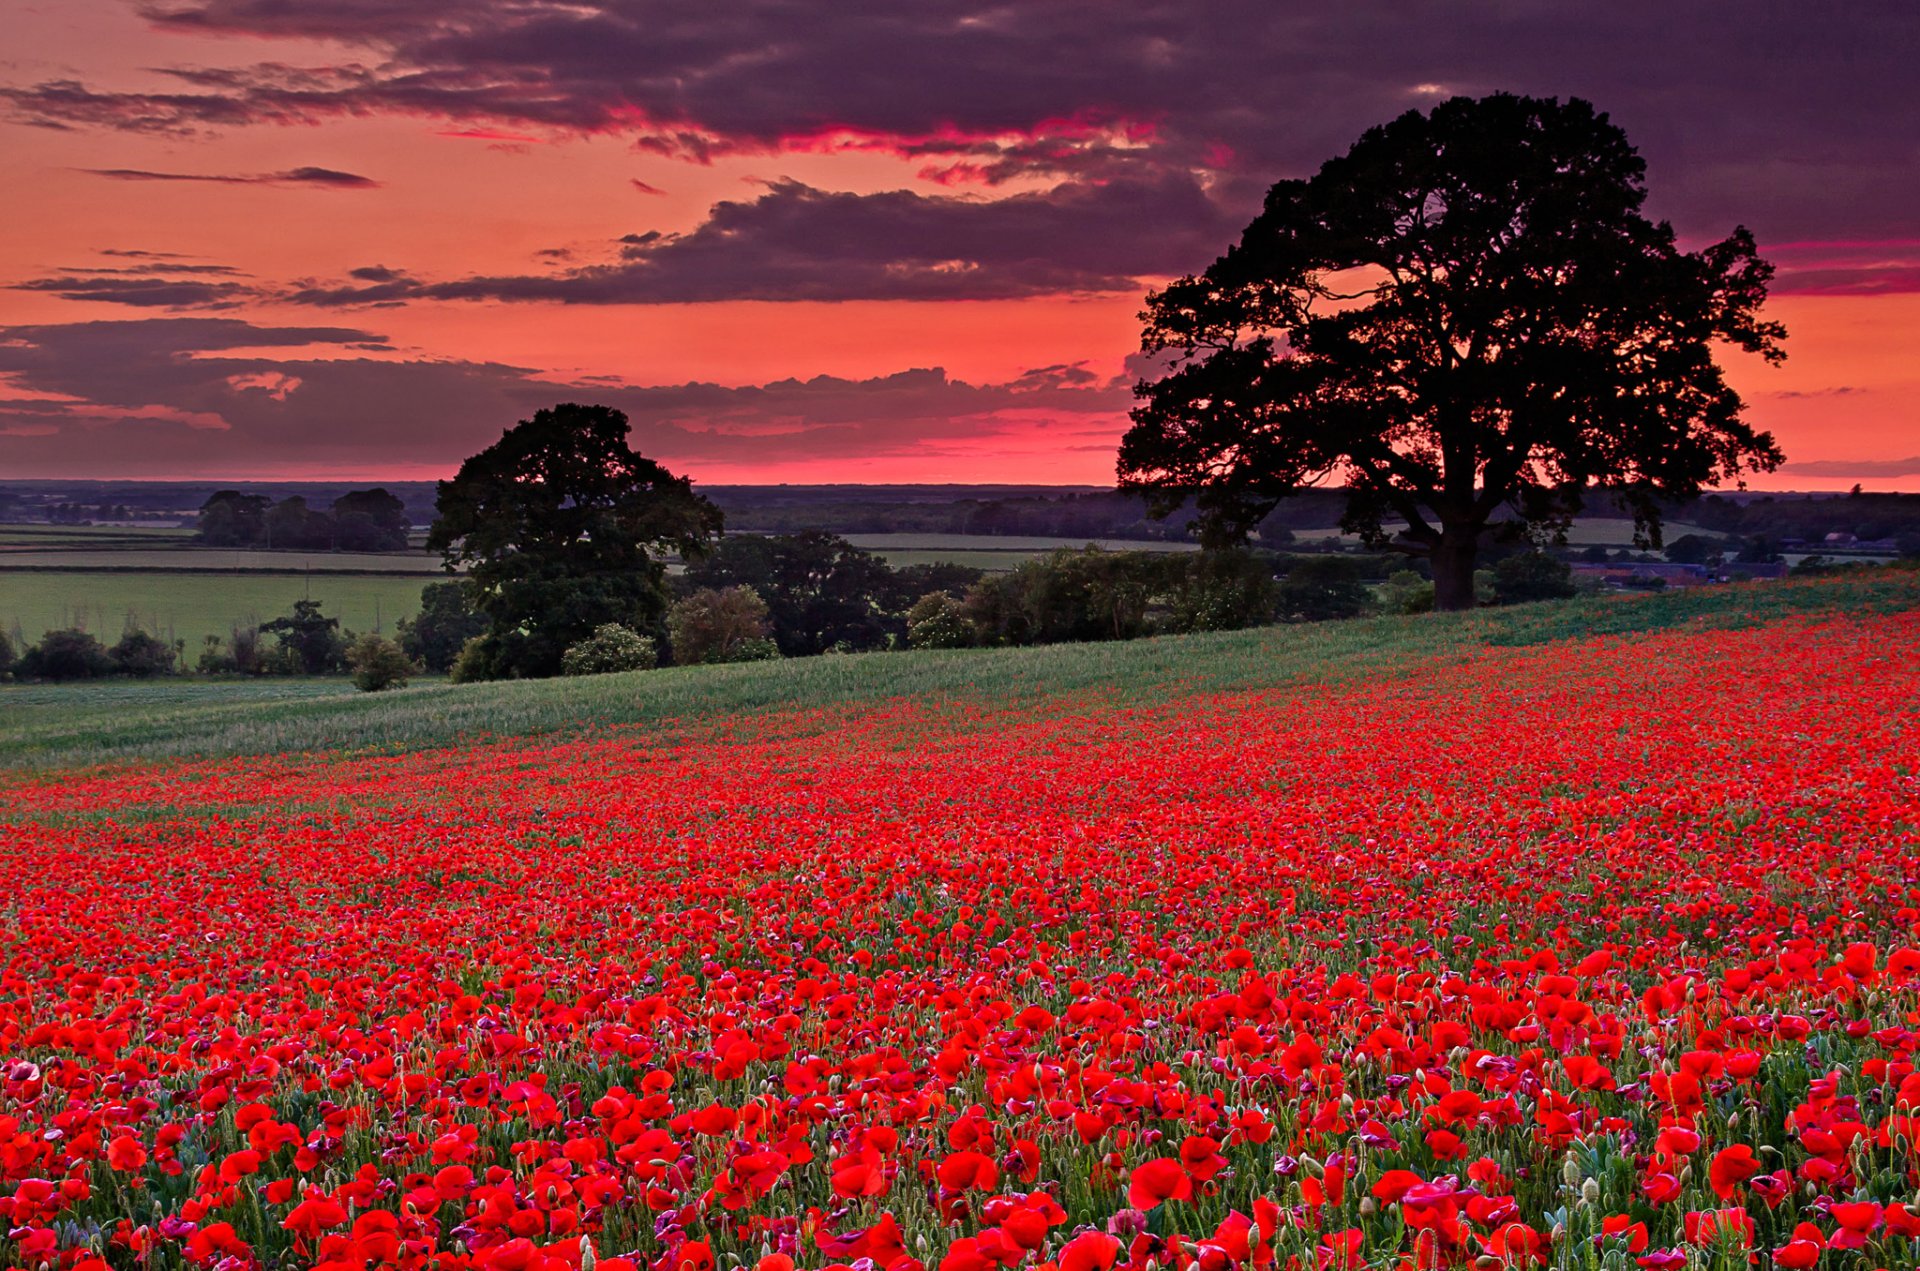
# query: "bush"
{"points": [[938, 621], [1221, 591], [610, 648], [720, 625], [1406, 592], [6, 655], [470, 666], [1531, 576], [447, 620], [67, 654], [378, 663], [1323, 588], [143, 656]]}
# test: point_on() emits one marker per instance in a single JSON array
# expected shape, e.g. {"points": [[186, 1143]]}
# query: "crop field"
{"points": [[1584, 936], [192, 605]]}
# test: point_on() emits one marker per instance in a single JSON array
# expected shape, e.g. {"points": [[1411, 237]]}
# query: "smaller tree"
{"points": [[6, 655], [309, 640], [610, 648], [370, 521], [1696, 549], [720, 625], [66, 654], [378, 663], [1532, 576], [938, 621], [446, 621], [142, 656]]}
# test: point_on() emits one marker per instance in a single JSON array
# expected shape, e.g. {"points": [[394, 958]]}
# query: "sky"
{"points": [[858, 241]]}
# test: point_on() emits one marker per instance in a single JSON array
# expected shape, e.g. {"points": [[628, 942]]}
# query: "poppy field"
{"points": [[1599, 954]]}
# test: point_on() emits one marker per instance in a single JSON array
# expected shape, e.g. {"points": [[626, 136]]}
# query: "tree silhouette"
{"points": [[1468, 320], [563, 529]]}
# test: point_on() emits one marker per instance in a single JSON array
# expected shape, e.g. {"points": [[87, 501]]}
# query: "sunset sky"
{"points": [[859, 241]]}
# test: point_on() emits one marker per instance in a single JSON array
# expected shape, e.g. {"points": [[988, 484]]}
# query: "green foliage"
{"points": [[447, 620], [1531, 576], [1077, 594], [142, 656], [938, 620], [470, 665], [1220, 591], [378, 663], [1530, 334], [310, 643], [564, 529], [6, 655], [1322, 588], [821, 591], [1405, 592], [714, 625], [67, 654], [610, 648]]}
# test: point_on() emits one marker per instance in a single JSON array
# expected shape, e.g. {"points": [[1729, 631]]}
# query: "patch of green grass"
{"points": [[191, 606], [40, 728]]}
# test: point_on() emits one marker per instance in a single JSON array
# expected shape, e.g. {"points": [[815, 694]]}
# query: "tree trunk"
{"points": [[1453, 562]]}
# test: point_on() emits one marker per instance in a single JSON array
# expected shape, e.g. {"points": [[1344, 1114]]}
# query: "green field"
{"points": [[191, 606], [44, 726]]}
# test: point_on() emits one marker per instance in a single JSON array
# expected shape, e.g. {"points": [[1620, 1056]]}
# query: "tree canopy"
{"points": [[1468, 320], [563, 528]]}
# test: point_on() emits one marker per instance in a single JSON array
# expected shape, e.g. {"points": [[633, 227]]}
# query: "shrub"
{"points": [[447, 620], [67, 654], [1406, 592], [938, 621], [143, 656], [378, 663], [1221, 590], [1321, 588], [470, 666], [1532, 576], [720, 625], [610, 648], [6, 655]]}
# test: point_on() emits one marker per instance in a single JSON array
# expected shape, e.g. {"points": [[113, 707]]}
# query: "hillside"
{"points": [[48, 726]]}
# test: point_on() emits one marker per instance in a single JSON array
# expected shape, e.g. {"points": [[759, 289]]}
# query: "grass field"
{"points": [[48, 726], [190, 606]]}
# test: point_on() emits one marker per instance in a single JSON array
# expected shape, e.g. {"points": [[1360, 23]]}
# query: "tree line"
{"points": [[358, 521]]}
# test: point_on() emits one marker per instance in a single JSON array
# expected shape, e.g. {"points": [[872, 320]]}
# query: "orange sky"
{"points": [[442, 205]]}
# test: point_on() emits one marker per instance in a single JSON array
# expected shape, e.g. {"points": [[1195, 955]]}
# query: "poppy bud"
{"points": [[587, 1258], [1367, 1207], [1570, 1171], [1590, 1192]]}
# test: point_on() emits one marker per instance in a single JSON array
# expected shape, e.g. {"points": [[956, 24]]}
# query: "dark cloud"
{"points": [[225, 396], [323, 178], [144, 293], [160, 281], [795, 242], [1799, 119]]}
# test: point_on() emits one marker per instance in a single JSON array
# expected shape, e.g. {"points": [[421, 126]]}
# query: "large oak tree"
{"points": [[1467, 320], [563, 528]]}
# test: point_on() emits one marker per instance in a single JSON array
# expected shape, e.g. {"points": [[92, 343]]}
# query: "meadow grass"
{"points": [[191, 606], [66, 726]]}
